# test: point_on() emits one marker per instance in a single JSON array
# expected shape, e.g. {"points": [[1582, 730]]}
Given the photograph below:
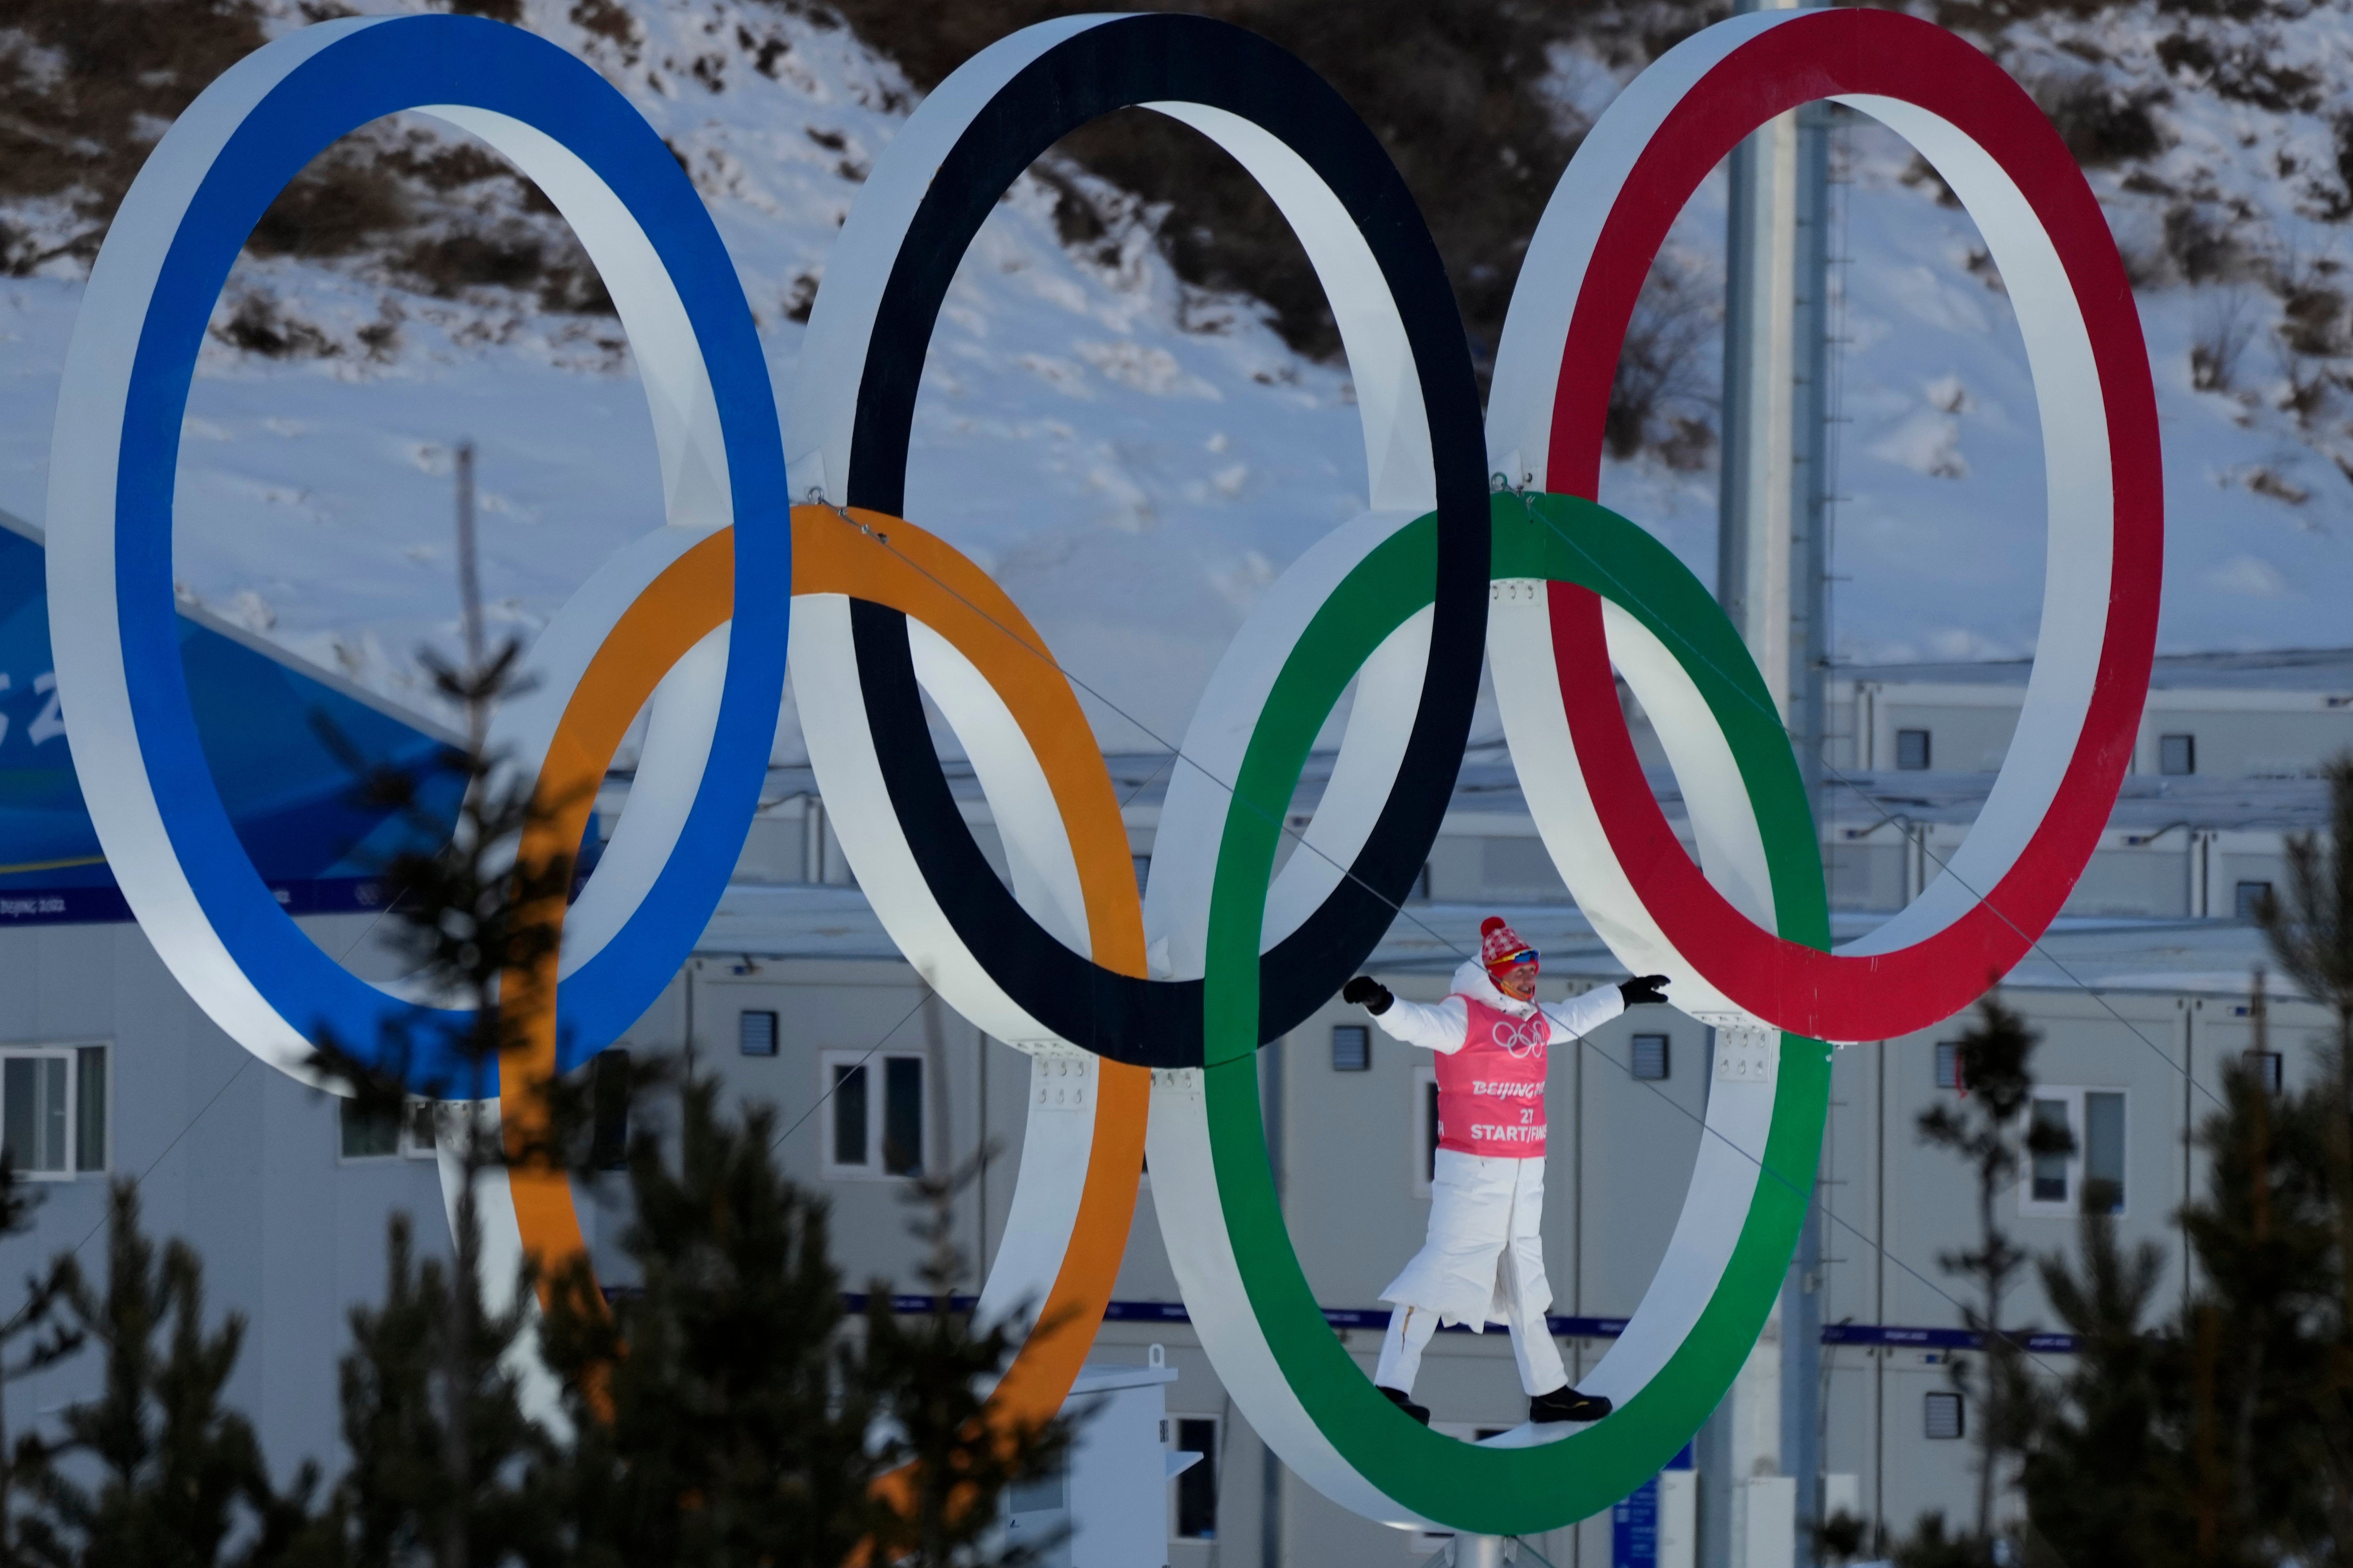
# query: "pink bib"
{"points": [[1491, 1092]]}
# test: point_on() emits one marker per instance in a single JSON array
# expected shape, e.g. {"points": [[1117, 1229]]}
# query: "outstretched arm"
{"points": [[1582, 1015], [1438, 1026]]}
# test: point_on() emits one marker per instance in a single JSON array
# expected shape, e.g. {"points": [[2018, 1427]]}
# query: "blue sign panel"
{"points": [[1634, 1523], [285, 750], [1634, 1527]]}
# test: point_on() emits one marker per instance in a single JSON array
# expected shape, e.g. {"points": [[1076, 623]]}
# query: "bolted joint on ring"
{"points": [[1747, 1051]]}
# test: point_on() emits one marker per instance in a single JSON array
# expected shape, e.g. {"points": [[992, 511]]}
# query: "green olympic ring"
{"points": [[1546, 1484]]}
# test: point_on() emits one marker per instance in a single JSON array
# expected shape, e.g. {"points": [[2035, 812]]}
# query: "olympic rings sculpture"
{"points": [[1144, 1016]]}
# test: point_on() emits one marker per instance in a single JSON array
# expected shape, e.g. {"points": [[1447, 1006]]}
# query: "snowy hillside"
{"points": [[1134, 460]]}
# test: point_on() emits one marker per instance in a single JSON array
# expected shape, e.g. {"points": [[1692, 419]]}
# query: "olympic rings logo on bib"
{"points": [[1144, 1016], [1530, 1035]]}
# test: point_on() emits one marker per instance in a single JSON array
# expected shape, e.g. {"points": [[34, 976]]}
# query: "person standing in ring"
{"points": [[1484, 1259]]}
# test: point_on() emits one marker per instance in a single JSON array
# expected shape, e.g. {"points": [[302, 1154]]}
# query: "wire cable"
{"points": [[827, 1092], [1175, 753], [1886, 819], [189, 1126]]}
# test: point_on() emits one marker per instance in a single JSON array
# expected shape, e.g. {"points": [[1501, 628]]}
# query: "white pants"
{"points": [[1541, 1370], [1484, 1262]]}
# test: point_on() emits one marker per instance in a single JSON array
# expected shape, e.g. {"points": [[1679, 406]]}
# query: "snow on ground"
{"points": [[1135, 465]]}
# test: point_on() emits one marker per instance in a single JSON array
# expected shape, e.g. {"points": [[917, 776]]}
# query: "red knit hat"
{"points": [[1498, 943]]}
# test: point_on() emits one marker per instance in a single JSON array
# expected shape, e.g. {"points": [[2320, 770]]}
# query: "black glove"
{"points": [[1643, 988], [1368, 993]]}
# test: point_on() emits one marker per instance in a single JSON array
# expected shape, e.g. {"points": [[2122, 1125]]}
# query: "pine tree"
{"points": [[719, 1416], [725, 1413], [2223, 1436], [447, 1467], [402, 1500], [31, 1340], [2310, 934], [1986, 1130], [729, 1412], [2107, 1482], [927, 1375], [157, 1472]]}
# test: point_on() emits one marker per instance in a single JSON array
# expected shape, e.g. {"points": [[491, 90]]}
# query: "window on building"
{"points": [[875, 1122], [2177, 755], [2103, 1152], [608, 1094], [756, 1032], [419, 1138], [1948, 1064], [90, 1108], [36, 1111], [381, 1132], [1143, 870], [2091, 1174], [53, 1110], [2051, 1170], [1352, 1048], [2269, 1070], [1651, 1059], [1943, 1416], [1911, 751], [1425, 1129], [369, 1132], [2248, 900], [1194, 1513]]}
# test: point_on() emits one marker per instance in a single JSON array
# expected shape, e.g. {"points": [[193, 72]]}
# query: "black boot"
{"points": [[1420, 1413], [1564, 1404]]}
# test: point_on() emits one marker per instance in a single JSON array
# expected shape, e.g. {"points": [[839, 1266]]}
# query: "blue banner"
{"points": [[285, 750]]}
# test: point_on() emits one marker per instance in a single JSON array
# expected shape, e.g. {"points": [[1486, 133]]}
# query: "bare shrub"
{"points": [[1922, 172], [258, 326], [340, 205], [610, 21], [2310, 386], [803, 299], [1661, 394], [2225, 326], [2101, 125], [85, 84], [2242, 71], [1454, 91], [2202, 248], [2314, 322], [1690, 445], [2277, 486], [381, 337]]}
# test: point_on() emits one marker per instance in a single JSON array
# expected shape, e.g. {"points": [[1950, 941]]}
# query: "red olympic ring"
{"points": [[1876, 55]]}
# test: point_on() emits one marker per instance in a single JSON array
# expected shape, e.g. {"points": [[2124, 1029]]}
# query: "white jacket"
{"points": [[1484, 1259], [1443, 1026]]}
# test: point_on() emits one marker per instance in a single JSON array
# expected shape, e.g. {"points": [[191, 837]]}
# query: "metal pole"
{"points": [[1269, 1519], [1812, 482], [469, 592], [1741, 1440], [1752, 530], [1478, 1551]]}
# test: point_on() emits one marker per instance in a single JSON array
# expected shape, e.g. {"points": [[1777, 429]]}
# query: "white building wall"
{"points": [[293, 1236], [229, 1154]]}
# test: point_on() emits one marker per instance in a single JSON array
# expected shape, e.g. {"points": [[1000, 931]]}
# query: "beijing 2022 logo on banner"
{"points": [[1481, 545]]}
